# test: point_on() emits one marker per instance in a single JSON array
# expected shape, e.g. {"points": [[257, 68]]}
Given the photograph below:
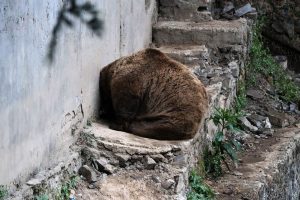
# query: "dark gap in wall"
{"points": [[202, 8], [278, 48]]}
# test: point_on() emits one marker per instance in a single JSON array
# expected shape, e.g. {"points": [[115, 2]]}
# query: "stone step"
{"points": [[185, 10], [161, 165], [212, 33], [187, 54]]}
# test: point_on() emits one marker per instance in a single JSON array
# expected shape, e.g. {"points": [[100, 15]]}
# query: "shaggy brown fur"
{"points": [[151, 95]]}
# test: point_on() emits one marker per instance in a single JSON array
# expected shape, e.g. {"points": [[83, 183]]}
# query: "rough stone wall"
{"points": [[283, 20], [41, 105]]}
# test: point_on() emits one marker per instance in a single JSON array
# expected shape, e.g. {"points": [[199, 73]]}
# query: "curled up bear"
{"points": [[151, 95]]}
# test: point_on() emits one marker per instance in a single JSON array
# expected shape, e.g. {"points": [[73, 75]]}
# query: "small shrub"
{"points": [[198, 189], [3, 192], [227, 121]]}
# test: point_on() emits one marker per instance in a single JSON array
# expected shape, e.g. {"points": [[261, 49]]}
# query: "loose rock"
{"points": [[34, 182], [247, 124], [149, 163], [159, 158], [156, 179], [278, 119], [102, 165], [168, 184], [87, 173]]}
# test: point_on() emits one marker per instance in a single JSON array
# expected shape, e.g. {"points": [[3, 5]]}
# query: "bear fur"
{"points": [[151, 95]]}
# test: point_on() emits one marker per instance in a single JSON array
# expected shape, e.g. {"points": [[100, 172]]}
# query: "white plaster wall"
{"points": [[39, 103]]}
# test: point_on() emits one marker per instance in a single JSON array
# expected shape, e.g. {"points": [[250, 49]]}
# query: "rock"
{"points": [[169, 155], [242, 137], [168, 184], [122, 157], [256, 136], [283, 106], [243, 10], [179, 183], [102, 165], [92, 186], [244, 121], [149, 163], [87, 173], [259, 121], [297, 80], [234, 69], [255, 94], [159, 158], [180, 160], [236, 173], [268, 132], [278, 119], [282, 61], [156, 179], [34, 182], [268, 124], [292, 107]]}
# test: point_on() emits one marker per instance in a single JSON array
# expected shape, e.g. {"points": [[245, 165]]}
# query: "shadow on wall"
{"points": [[87, 13]]}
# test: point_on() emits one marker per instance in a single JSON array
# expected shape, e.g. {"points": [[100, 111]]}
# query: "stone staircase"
{"points": [[214, 51]]}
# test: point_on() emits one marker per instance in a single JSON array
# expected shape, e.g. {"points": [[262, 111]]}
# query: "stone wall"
{"points": [[283, 26], [42, 104]]}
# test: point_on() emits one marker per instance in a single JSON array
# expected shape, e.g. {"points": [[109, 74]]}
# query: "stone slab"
{"points": [[212, 34], [187, 54], [185, 10]]}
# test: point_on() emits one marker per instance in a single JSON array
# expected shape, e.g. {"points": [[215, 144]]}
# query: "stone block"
{"points": [[212, 34]]}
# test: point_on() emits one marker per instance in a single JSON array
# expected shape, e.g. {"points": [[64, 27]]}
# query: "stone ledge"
{"points": [[212, 34], [274, 176], [187, 54]]}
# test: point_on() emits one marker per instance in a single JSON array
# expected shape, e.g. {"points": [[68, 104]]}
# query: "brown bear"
{"points": [[150, 95]]}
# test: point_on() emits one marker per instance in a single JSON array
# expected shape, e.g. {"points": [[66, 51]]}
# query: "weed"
{"points": [[227, 121], [262, 62], [64, 192], [3, 192], [199, 190]]}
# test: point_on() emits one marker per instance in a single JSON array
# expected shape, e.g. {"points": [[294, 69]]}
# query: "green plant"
{"points": [[64, 191], [3, 192], [198, 189], [262, 62], [227, 122]]}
